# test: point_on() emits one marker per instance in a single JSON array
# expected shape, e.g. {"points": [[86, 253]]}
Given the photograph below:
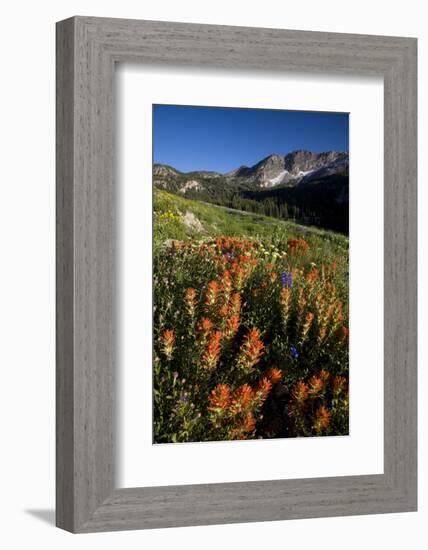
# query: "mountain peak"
{"points": [[274, 157], [295, 166]]}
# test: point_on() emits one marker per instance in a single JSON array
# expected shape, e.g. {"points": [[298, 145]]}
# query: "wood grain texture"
{"points": [[87, 50], [64, 276]]}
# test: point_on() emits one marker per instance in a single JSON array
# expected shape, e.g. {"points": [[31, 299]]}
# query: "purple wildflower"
{"points": [[294, 353], [287, 279]]}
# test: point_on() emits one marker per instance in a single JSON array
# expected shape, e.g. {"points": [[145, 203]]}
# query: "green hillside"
{"points": [[181, 219]]}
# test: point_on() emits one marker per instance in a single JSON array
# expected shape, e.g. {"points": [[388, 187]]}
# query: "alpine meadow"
{"points": [[250, 274]]}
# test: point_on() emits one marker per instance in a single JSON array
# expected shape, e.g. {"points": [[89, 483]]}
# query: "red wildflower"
{"points": [[235, 303], [274, 375], [313, 275], [211, 294], [273, 276], [339, 385], [244, 427], [295, 245], [242, 398], [239, 275], [226, 283], [223, 310], [219, 398], [307, 324], [232, 326], [285, 301], [298, 401], [212, 351], [322, 419], [205, 325], [167, 342], [250, 423], [263, 389], [317, 383], [190, 300], [251, 350], [299, 393]]}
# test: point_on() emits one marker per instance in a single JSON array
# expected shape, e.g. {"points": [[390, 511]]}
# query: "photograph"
{"points": [[250, 273]]}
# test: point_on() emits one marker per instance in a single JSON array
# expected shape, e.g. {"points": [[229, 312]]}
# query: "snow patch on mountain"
{"points": [[285, 177], [276, 180], [304, 173]]}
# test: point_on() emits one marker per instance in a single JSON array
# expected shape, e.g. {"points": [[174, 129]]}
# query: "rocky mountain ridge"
{"points": [[291, 169]]}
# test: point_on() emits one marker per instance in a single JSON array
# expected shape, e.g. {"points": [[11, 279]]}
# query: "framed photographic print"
{"points": [[236, 274]]}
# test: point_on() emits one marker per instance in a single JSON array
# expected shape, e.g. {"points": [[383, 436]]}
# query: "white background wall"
{"points": [[27, 272]]}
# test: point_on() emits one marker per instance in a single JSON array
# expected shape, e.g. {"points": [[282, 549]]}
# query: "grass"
{"points": [[218, 220]]}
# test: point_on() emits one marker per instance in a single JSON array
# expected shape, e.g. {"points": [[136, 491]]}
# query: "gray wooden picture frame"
{"points": [[87, 50]]}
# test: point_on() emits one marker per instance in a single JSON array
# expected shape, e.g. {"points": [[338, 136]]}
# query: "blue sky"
{"points": [[221, 139]]}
